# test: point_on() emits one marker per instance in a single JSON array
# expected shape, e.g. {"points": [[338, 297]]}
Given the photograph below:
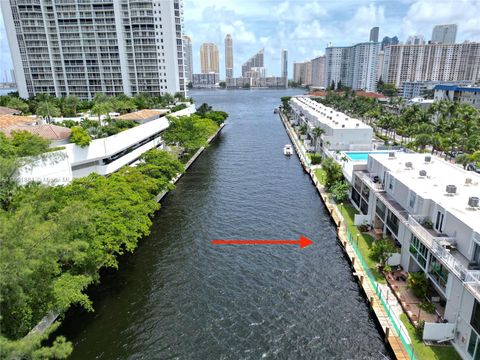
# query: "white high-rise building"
{"points": [[187, 48], [444, 34], [415, 40], [86, 47], [354, 66], [431, 62], [284, 64], [228, 56]]}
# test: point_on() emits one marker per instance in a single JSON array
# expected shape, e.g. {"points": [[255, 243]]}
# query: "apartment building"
{"points": [[256, 60], [83, 48], [302, 72], [341, 132], [228, 56], [431, 62], [318, 72], [188, 55], [209, 58], [209, 80], [463, 94], [444, 34], [284, 66], [434, 220], [354, 66]]}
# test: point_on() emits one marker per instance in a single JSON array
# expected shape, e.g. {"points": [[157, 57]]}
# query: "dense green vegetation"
{"points": [[47, 106], [445, 127], [192, 132], [96, 129], [50, 257]]}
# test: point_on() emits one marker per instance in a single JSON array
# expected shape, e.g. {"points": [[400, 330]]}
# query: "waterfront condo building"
{"points": [[431, 62], [302, 72], [209, 59], [81, 48], [431, 209], [444, 34], [463, 94], [187, 48], [341, 132], [228, 56], [354, 66], [255, 61]]}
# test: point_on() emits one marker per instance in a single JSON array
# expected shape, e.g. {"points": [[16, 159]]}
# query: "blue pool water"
{"points": [[362, 156]]}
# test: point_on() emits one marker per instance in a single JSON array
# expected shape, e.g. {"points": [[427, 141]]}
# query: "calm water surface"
{"points": [[179, 297]]}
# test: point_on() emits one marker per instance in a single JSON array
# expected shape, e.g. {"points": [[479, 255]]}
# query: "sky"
{"points": [[305, 27]]}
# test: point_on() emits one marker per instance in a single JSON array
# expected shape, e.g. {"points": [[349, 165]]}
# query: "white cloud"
{"points": [[307, 31]]}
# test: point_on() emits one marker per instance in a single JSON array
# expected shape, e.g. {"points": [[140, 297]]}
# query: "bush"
{"points": [[381, 250], [339, 191], [178, 108], [316, 159], [428, 307], [417, 282], [80, 136]]}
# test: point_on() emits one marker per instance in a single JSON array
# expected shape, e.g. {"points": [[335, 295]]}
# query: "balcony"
{"points": [[371, 181]]}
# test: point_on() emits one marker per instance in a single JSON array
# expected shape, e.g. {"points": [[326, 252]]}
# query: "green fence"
{"points": [[395, 321]]}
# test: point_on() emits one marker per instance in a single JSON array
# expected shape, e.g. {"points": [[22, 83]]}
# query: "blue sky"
{"points": [[304, 27]]}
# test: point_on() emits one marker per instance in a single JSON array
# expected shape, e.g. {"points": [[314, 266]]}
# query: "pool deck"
{"points": [[391, 336]]}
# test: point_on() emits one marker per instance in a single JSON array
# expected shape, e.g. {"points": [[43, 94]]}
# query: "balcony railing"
{"points": [[471, 278], [375, 186]]}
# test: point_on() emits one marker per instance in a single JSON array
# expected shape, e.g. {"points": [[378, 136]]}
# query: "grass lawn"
{"points": [[321, 177], [364, 240], [424, 352]]}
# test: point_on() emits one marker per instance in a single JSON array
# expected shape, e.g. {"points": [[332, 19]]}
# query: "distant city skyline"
{"points": [[306, 27]]}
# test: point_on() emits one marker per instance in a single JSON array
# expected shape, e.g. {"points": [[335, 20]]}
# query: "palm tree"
{"points": [[47, 109], [317, 132]]}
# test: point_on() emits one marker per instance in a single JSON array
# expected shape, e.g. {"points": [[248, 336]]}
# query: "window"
{"points": [[418, 251], [439, 222], [390, 182]]}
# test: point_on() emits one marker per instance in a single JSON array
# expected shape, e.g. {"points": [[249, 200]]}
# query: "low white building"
{"points": [[341, 132], [102, 156], [431, 208], [463, 94]]}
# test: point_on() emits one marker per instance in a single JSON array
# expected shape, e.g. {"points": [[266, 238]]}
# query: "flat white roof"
{"points": [[330, 117], [433, 186]]}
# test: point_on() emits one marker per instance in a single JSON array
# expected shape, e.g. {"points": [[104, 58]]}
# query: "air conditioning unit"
{"points": [[451, 189], [422, 173], [428, 158], [343, 125], [468, 181], [357, 124], [473, 201], [408, 165], [391, 155]]}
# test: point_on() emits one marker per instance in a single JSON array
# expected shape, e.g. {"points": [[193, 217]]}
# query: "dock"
{"points": [[391, 331]]}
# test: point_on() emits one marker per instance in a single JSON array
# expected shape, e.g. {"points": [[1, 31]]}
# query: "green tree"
{"points": [[381, 251], [317, 132], [47, 110], [333, 172], [17, 103], [339, 191], [80, 136]]}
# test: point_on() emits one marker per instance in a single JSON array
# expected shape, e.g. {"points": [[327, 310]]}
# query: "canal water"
{"points": [[179, 297]]}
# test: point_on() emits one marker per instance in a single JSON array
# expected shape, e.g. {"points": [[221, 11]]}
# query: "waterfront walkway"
{"points": [[394, 332]]}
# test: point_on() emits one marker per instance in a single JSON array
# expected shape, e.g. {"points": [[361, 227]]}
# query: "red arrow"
{"points": [[303, 242]]}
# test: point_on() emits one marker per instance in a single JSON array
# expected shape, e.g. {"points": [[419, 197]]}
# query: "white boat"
{"points": [[287, 150]]}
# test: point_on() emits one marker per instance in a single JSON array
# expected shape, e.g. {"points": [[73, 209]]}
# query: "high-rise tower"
{"points": [[187, 48], [284, 73], [228, 56], [81, 48], [444, 34], [209, 58]]}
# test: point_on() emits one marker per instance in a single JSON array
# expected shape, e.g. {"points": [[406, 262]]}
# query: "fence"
{"points": [[394, 320]]}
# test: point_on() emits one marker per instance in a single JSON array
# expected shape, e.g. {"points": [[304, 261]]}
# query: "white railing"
{"points": [[472, 281], [376, 186]]}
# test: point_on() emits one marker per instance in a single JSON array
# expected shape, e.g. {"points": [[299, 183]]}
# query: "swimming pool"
{"points": [[361, 156]]}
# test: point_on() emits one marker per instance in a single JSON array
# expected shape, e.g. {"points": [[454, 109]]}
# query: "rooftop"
{"points": [[7, 120], [433, 185], [328, 116], [49, 131], [8, 111], [457, 88], [142, 115]]}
